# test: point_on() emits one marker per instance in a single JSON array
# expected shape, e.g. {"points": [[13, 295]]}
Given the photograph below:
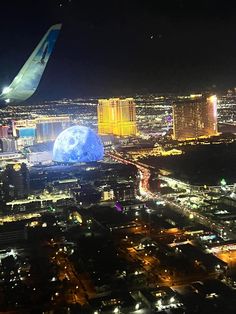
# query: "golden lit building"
{"points": [[117, 116], [195, 117]]}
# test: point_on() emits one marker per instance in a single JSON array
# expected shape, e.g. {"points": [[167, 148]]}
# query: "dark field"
{"points": [[201, 164]]}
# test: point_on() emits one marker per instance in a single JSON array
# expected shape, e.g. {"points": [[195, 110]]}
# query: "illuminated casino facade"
{"points": [[117, 116], [195, 117], [43, 129], [4, 129], [48, 129]]}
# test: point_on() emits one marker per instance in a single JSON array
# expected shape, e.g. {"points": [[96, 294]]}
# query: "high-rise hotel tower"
{"points": [[195, 117], [117, 116]]}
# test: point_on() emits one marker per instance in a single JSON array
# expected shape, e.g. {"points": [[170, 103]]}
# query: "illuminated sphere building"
{"points": [[78, 144], [195, 117], [117, 116]]}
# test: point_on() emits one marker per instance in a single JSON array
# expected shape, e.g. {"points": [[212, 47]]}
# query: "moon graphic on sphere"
{"points": [[78, 144]]}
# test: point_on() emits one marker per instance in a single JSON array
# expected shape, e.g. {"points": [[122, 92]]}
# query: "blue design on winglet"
{"points": [[27, 80]]}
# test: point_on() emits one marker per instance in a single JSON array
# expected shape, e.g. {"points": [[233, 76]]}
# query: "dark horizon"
{"points": [[123, 48]]}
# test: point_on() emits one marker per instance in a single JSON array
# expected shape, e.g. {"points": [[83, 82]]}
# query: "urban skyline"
{"points": [[117, 171]]}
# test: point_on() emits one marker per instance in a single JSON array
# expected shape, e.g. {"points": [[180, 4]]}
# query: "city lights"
{"points": [[117, 178]]}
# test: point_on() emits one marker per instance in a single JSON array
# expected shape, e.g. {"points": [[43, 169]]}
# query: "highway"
{"points": [[144, 172], [146, 194]]}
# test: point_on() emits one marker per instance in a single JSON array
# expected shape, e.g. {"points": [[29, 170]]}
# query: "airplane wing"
{"points": [[27, 80]]}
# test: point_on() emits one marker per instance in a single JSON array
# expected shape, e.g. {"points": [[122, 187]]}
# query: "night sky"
{"points": [[122, 47]]}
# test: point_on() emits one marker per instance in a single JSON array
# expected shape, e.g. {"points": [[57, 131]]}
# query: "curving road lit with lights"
{"points": [[145, 193]]}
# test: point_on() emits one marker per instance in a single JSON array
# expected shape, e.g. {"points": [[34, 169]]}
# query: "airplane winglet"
{"points": [[27, 80]]}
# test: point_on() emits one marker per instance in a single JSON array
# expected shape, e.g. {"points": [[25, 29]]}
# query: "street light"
{"points": [[116, 310], [137, 306], [223, 182]]}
